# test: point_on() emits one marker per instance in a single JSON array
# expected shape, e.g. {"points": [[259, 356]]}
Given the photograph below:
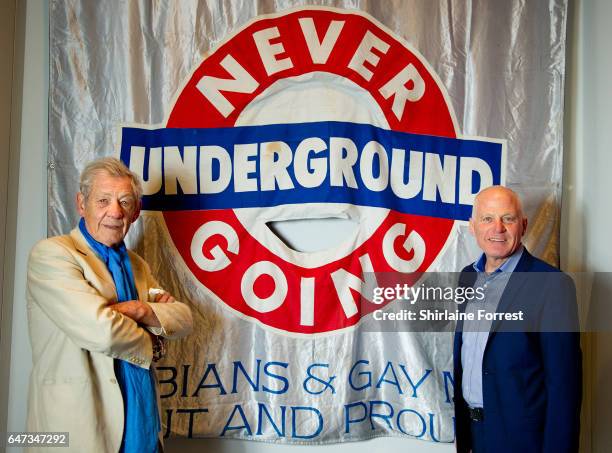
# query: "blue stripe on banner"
{"points": [[258, 166]]}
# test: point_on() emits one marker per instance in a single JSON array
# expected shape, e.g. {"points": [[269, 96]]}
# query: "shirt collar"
{"points": [[508, 266]]}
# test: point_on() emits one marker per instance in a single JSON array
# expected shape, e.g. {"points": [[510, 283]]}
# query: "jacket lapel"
{"points": [[140, 280], [514, 285], [466, 280], [92, 260], [100, 269]]}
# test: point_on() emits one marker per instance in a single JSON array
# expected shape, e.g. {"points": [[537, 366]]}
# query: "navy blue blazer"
{"points": [[532, 381]]}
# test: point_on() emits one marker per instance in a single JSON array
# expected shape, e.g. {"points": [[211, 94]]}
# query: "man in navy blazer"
{"points": [[516, 389]]}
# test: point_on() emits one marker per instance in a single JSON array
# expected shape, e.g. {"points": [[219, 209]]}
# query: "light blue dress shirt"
{"points": [[476, 333]]}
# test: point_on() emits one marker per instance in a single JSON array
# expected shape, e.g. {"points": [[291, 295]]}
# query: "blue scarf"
{"points": [[137, 384]]}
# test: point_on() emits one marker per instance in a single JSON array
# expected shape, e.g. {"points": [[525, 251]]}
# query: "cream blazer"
{"points": [[75, 336]]}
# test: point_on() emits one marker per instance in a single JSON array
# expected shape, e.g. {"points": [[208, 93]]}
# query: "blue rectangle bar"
{"points": [[323, 162]]}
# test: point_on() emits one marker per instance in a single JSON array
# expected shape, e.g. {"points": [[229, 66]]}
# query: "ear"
{"points": [[472, 227], [80, 204], [524, 224], [137, 211]]}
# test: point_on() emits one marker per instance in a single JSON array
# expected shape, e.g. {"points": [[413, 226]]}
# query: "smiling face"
{"points": [[110, 208], [497, 224]]}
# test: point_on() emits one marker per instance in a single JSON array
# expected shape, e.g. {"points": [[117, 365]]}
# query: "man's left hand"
{"points": [[160, 296]]}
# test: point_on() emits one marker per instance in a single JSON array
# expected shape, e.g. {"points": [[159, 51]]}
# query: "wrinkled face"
{"points": [[110, 208], [498, 224]]}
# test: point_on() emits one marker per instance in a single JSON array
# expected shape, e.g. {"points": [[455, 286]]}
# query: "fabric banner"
{"points": [[237, 115]]}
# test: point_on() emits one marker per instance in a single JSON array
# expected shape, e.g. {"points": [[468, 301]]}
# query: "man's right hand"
{"points": [[138, 311]]}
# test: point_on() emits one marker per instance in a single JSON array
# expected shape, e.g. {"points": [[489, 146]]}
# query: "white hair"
{"points": [[113, 167]]}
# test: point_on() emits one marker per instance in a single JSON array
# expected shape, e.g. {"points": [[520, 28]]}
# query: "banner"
{"points": [[236, 117]]}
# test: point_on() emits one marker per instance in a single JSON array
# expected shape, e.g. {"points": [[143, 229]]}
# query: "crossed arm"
{"points": [[142, 312], [59, 286]]}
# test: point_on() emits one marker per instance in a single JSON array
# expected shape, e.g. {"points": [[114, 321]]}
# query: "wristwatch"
{"points": [[159, 348]]}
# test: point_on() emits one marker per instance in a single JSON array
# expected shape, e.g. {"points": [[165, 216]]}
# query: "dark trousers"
{"points": [[478, 437]]}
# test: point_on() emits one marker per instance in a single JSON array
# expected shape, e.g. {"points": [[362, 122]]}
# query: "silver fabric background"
{"points": [[114, 63]]}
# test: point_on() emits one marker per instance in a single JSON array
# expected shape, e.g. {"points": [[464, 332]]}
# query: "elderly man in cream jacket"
{"points": [[97, 320]]}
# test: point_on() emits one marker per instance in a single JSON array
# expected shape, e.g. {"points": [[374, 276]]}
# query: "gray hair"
{"points": [[113, 167]]}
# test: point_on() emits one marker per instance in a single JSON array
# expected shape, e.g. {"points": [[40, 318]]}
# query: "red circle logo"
{"points": [[303, 66]]}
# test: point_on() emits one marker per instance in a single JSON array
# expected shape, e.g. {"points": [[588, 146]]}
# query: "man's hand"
{"points": [[161, 296], [138, 311]]}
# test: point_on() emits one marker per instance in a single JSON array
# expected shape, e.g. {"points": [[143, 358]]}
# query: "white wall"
{"points": [[7, 228], [587, 207], [587, 213], [32, 198]]}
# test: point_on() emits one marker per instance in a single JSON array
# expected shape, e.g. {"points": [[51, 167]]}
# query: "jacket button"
{"points": [[113, 381]]}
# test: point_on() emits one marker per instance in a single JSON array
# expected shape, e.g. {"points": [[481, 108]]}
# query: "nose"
{"points": [[114, 210], [499, 226]]}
